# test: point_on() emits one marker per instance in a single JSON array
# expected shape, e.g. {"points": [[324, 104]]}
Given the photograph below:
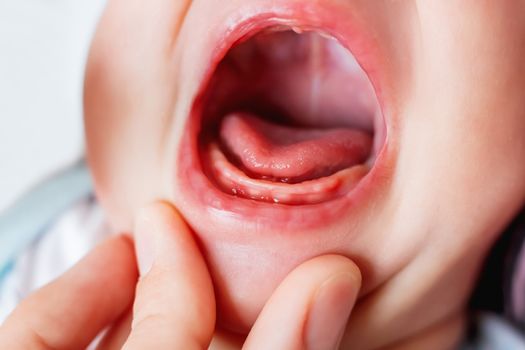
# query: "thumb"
{"points": [[174, 305], [310, 308]]}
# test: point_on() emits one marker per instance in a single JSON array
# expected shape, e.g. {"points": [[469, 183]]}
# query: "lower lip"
{"points": [[202, 194]]}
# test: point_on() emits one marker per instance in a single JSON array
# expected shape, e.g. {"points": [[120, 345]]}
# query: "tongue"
{"points": [[291, 154]]}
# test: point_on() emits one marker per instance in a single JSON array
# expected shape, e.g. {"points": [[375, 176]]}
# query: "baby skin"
{"points": [[341, 169]]}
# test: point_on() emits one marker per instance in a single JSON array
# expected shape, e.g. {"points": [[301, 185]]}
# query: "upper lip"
{"points": [[316, 15]]}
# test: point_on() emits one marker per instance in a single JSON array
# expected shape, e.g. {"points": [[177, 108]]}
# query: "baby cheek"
{"points": [[126, 109]]}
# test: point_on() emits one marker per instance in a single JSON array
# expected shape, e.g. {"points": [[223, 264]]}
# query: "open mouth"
{"points": [[286, 129], [290, 118]]}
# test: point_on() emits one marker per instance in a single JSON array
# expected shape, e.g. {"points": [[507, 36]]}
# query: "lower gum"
{"points": [[231, 179]]}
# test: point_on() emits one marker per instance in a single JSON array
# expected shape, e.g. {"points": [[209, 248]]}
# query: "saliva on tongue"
{"points": [[290, 154]]}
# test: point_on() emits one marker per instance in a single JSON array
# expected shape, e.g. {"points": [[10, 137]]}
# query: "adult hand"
{"points": [[173, 302]]}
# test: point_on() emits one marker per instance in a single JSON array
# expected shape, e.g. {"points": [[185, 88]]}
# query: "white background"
{"points": [[43, 49]]}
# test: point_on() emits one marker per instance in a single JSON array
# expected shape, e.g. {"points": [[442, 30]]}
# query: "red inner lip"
{"points": [[220, 204], [291, 108]]}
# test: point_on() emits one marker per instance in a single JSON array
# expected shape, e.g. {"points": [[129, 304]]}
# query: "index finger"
{"points": [[175, 304]]}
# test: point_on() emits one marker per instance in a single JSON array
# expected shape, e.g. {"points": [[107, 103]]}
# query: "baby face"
{"points": [[391, 132]]}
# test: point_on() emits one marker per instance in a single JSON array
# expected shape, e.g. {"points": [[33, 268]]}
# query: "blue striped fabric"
{"points": [[26, 220]]}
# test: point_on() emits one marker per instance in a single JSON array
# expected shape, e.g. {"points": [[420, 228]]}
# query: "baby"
{"points": [[380, 142]]}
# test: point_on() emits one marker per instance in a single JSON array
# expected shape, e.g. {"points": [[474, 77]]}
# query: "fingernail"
{"points": [[144, 242], [330, 311]]}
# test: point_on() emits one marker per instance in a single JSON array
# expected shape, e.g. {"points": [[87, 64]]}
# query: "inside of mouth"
{"points": [[287, 108]]}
